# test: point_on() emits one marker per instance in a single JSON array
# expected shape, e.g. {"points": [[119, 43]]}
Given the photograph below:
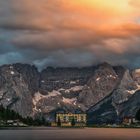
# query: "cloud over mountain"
{"points": [[70, 33]]}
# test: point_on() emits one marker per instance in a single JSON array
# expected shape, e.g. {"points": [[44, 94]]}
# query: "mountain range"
{"points": [[104, 92]]}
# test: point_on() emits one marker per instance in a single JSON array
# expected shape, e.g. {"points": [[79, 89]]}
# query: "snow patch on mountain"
{"points": [[72, 89], [69, 101], [134, 91], [38, 96], [12, 72], [137, 71], [76, 88], [111, 76], [53, 93], [72, 82], [98, 79]]}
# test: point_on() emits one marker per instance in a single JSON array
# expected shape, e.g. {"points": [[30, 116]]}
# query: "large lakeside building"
{"points": [[66, 118]]}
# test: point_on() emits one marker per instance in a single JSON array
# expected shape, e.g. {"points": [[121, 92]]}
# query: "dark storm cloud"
{"points": [[60, 33]]}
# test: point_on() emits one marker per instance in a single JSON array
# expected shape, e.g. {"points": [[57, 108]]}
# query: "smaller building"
{"points": [[129, 120], [67, 118], [14, 123]]}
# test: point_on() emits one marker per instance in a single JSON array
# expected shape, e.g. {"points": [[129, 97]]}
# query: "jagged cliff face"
{"points": [[101, 89], [64, 78], [123, 101], [125, 89], [30, 93], [18, 83], [100, 85], [131, 106]]}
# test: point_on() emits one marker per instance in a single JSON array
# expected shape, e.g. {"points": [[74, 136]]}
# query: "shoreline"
{"points": [[61, 128]]}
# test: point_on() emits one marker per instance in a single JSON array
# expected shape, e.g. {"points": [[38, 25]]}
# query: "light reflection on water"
{"points": [[71, 134]]}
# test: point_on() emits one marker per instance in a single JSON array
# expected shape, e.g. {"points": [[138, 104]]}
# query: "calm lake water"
{"points": [[71, 134]]}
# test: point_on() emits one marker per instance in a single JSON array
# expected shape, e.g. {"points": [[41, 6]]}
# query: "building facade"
{"points": [[68, 117]]}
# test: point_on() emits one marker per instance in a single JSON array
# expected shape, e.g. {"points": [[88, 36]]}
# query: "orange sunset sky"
{"points": [[70, 32]]}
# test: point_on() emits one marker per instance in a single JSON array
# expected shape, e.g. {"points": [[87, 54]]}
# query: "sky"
{"points": [[70, 32]]}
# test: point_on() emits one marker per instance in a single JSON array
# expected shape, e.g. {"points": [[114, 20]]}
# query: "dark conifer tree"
{"points": [[59, 122], [138, 115], [73, 122]]}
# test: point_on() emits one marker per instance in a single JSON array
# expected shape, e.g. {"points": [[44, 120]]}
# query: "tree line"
{"points": [[8, 114]]}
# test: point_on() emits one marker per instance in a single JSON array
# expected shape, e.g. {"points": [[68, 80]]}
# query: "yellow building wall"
{"points": [[66, 117]]}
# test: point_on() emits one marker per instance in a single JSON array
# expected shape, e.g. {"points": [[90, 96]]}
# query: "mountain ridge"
{"points": [[32, 93]]}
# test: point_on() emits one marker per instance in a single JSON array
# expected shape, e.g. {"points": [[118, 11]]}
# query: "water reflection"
{"points": [[70, 134]]}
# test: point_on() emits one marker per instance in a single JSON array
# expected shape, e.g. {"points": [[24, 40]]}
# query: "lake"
{"points": [[70, 134]]}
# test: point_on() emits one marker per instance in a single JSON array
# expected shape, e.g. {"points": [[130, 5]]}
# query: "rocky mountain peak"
{"points": [[15, 92], [126, 88], [104, 64], [136, 75], [100, 85], [29, 92]]}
